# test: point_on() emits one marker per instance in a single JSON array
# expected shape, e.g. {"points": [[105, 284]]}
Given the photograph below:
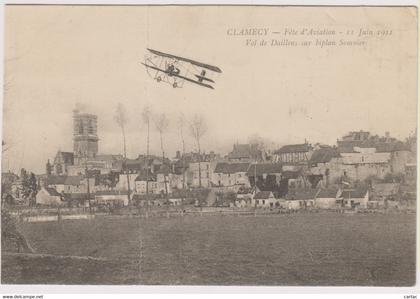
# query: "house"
{"points": [[112, 197], [265, 199], [299, 199], [58, 182], [294, 153], [268, 177], [78, 184], [364, 163], [125, 177], [244, 197], [320, 166], [163, 179], [140, 183], [353, 198], [197, 169], [48, 196], [233, 175]]}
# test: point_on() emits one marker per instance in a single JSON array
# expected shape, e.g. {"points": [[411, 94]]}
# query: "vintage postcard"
{"points": [[218, 145]]}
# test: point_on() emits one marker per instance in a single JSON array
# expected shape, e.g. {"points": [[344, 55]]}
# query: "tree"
{"points": [[121, 120], [48, 168], [162, 123], [146, 115], [181, 124], [198, 129]]}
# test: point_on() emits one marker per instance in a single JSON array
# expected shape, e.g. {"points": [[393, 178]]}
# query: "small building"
{"points": [[49, 197], [58, 182], [112, 197], [146, 183], [354, 198], [265, 199], [231, 175]]}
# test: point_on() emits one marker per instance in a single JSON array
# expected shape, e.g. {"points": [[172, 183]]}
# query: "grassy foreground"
{"points": [[295, 249]]}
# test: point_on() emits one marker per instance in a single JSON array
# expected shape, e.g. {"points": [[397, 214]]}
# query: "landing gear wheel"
{"points": [[175, 85], [159, 79]]}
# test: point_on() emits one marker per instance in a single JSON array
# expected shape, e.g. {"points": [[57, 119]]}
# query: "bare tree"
{"points": [[146, 116], [198, 129], [181, 124], [162, 123], [121, 120]]}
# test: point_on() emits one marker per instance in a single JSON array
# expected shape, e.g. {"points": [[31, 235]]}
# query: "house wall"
{"points": [[266, 203], [325, 203], [82, 187], [230, 179], [122, 198], [154, 187], [122, 183], [161, 182], [206, 174], [353, 169]]}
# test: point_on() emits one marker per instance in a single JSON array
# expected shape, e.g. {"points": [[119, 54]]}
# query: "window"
{"points": [[263, 201]]}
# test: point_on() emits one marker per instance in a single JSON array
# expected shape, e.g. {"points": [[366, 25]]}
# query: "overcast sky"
{"points": [[58, 56]]}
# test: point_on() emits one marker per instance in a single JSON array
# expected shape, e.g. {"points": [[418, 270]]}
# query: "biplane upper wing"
{"points": [[179, 76], [207, 66]]}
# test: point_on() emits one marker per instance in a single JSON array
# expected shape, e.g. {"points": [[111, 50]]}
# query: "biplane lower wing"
{"points": [[204, 78], [179, 76]]}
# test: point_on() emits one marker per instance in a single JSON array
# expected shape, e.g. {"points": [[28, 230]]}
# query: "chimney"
{"points": [[178, 155]]}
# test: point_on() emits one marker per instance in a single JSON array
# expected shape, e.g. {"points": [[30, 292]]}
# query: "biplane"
{"points": [[176, 70]]}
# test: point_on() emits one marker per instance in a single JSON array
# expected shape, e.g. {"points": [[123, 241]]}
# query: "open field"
{"points": [[295, 249]]}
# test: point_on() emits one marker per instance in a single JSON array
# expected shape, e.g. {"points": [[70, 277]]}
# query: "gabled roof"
{"points": [[263, 195], [231, 167], [52, 191], [164, 169], [56, 179], [324, 155], [294, 148], [327, 193], [353, 193], [144, 176], [73, 180], [264, 168]]}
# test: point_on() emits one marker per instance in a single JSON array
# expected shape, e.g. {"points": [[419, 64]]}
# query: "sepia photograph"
{"points": [[209, 145]]}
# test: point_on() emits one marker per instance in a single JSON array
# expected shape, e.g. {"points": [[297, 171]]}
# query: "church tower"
{"points": [[85, 136]]}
